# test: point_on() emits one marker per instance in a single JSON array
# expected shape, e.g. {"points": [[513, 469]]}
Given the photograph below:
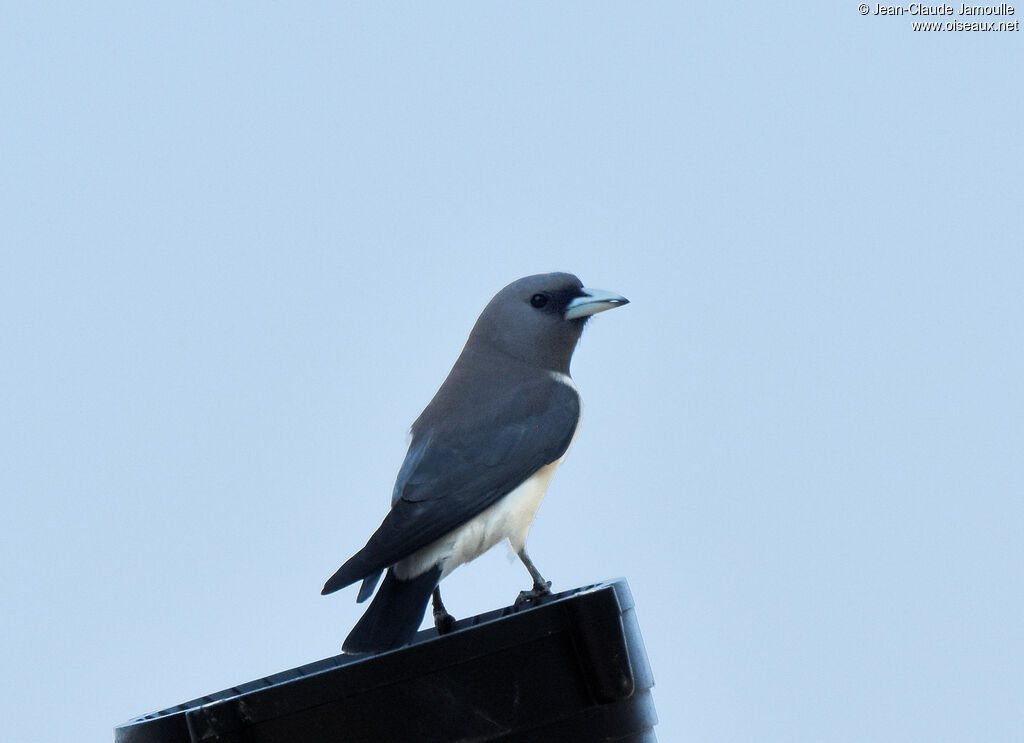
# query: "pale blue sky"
{"points": [[244, 242]]}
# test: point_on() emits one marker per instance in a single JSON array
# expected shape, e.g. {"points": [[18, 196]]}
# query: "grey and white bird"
{"points": [[482, 455]]}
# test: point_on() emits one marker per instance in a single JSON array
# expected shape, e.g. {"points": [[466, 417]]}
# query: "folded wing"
{"points": [[451, 475]]}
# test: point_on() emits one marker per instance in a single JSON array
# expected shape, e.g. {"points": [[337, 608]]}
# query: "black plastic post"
{"points": [[569, 667]]}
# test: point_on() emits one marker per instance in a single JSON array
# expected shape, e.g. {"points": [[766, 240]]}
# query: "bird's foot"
{"points": [[528, 597], [443, 621]]}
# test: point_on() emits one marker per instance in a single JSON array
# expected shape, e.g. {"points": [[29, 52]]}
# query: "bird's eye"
{"points": [[539, 300]]}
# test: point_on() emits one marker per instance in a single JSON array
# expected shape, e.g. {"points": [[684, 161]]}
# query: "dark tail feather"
{"points": [[355, 568], [394, 615], [366, 589]]}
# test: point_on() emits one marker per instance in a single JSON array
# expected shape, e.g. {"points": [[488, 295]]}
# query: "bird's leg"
{"points": [[442, 619], [541, 587]]}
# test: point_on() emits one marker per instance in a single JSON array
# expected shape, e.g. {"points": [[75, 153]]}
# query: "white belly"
{"points": [[510, 518]]}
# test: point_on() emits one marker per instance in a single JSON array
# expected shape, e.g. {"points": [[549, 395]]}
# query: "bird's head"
{"points": [[539, 319]]}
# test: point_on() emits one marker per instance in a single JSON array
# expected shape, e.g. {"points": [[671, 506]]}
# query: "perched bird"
{"points": [[481, 457]]}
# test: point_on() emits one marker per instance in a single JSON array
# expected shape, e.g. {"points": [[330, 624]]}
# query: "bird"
{"points": [[480, 458]]}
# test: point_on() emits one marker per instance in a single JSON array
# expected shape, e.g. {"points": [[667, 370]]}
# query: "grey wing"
{"points": [[449, 477]]}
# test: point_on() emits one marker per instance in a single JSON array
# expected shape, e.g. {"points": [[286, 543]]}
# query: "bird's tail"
{"points": [[394, 615]]}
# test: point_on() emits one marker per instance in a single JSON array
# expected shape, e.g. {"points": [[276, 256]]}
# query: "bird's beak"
{"points": [[592, 301]]}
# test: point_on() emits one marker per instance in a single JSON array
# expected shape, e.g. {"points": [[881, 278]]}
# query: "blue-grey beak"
{"points": [[591, 302]]}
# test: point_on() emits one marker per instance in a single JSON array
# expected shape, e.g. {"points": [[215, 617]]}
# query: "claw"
{"points": [[539, 590], [443, 621]]}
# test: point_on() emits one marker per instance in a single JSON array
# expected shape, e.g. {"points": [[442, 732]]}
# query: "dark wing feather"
{"points": [[451, 475]]}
